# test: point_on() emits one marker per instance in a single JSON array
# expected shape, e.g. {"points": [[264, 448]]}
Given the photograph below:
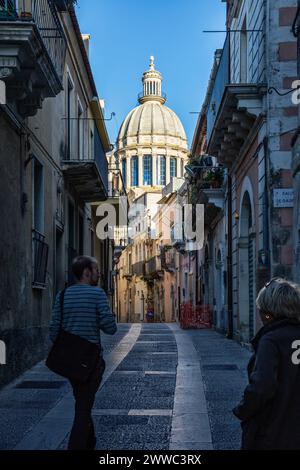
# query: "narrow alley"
{"points": [[164, 388]]}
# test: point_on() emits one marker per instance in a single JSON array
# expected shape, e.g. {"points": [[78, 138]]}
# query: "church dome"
{"points": [[152, 121], [151, 146], [152, 118]]}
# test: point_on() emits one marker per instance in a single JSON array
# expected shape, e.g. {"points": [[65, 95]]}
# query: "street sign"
{"points": [[283, 197]]}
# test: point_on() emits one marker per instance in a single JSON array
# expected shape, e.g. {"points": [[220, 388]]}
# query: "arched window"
{"points": [[124, 168], [173, 167], [147, 170], [161, 170], [134, 171]]}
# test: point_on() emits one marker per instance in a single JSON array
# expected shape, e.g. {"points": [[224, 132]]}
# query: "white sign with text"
{"points": [[283, 197]]}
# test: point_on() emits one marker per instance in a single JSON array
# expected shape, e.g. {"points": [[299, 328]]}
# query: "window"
{"points": [[124, 168], [181, 169], [80, 235], [71, 225], [80, 145], [39, 248], [161, 170], [38, 196], [173, 167], [71, 241], [69, 117], [147, 170], [243, 53], [134, 171], [92, 144]]}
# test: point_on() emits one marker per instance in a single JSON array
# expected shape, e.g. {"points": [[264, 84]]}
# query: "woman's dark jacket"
{"points": [[270, 409]]}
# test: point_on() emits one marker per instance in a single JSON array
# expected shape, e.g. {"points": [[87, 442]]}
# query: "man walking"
{"points": [[86, 311]]}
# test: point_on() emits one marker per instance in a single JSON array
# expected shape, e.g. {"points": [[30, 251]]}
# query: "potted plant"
{"points": [[214, 176]]}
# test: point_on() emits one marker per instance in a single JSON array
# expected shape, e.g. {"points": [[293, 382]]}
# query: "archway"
{"points": [[246, 270]]}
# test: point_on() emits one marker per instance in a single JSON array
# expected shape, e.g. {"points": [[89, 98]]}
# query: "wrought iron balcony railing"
{"points": [[238, 66], [44, 15], [153, 266]]}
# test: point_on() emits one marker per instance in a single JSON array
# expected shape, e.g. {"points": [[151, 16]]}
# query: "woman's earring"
{"points": [[267, 317]]}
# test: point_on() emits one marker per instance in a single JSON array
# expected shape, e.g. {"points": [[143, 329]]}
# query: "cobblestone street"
{"points": [[153, 396]]}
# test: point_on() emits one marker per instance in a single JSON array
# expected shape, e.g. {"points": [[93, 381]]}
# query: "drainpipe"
{"points": [[229, 260]]}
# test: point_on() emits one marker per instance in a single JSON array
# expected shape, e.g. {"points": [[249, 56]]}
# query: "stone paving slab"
{"points": [[223, 388], [190, 422], [55, 425], [163, 388]]}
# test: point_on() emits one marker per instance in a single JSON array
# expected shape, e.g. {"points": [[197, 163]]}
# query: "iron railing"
{"points": [[120, 236], [40, 259], [233, 70], [153, 266], [139, 268], [44, 15], [168, 259], [7, 9], [222, 79], [143, 95]]}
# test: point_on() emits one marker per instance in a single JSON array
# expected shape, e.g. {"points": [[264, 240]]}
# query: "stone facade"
{"points": [[250, 131], [48, 179]]}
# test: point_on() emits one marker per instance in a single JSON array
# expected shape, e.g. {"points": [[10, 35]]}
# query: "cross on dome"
{"points": [[152, 62]]}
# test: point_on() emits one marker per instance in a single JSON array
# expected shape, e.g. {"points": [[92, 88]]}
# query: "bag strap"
{"points": [[62, 296]]}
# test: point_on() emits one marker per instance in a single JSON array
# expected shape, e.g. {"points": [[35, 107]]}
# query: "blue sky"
{"points": [[124, 33]]}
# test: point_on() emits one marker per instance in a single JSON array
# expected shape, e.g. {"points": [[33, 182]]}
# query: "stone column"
{"points": [[154, 177], [168, 178], [128, 172], [140, 169]]}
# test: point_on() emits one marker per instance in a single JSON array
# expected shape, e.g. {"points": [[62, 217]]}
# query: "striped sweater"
{"points": [[86, 312]]}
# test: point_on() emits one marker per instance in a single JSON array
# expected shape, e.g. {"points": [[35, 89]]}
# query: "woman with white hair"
{"points": [[270, 408]]}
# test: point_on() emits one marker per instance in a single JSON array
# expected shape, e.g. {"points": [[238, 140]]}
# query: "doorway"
{"points": [[246, 271]]}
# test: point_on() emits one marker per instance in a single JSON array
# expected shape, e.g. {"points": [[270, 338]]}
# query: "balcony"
{"points": [[40, 259], [168, 259], [235, 103], [208, 189], [64, 5], [89, 177], [120, 237], [153, 268], [32, 53], [139, 269], [128, 273]]}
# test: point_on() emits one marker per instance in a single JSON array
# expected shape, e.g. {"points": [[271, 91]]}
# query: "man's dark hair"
{"points": [[80, 264]]}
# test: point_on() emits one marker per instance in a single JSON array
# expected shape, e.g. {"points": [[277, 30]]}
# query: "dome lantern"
{"points": [[152, 89]]}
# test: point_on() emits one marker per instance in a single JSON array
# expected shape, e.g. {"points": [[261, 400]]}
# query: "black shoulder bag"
{"points": [[71, 356]]}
